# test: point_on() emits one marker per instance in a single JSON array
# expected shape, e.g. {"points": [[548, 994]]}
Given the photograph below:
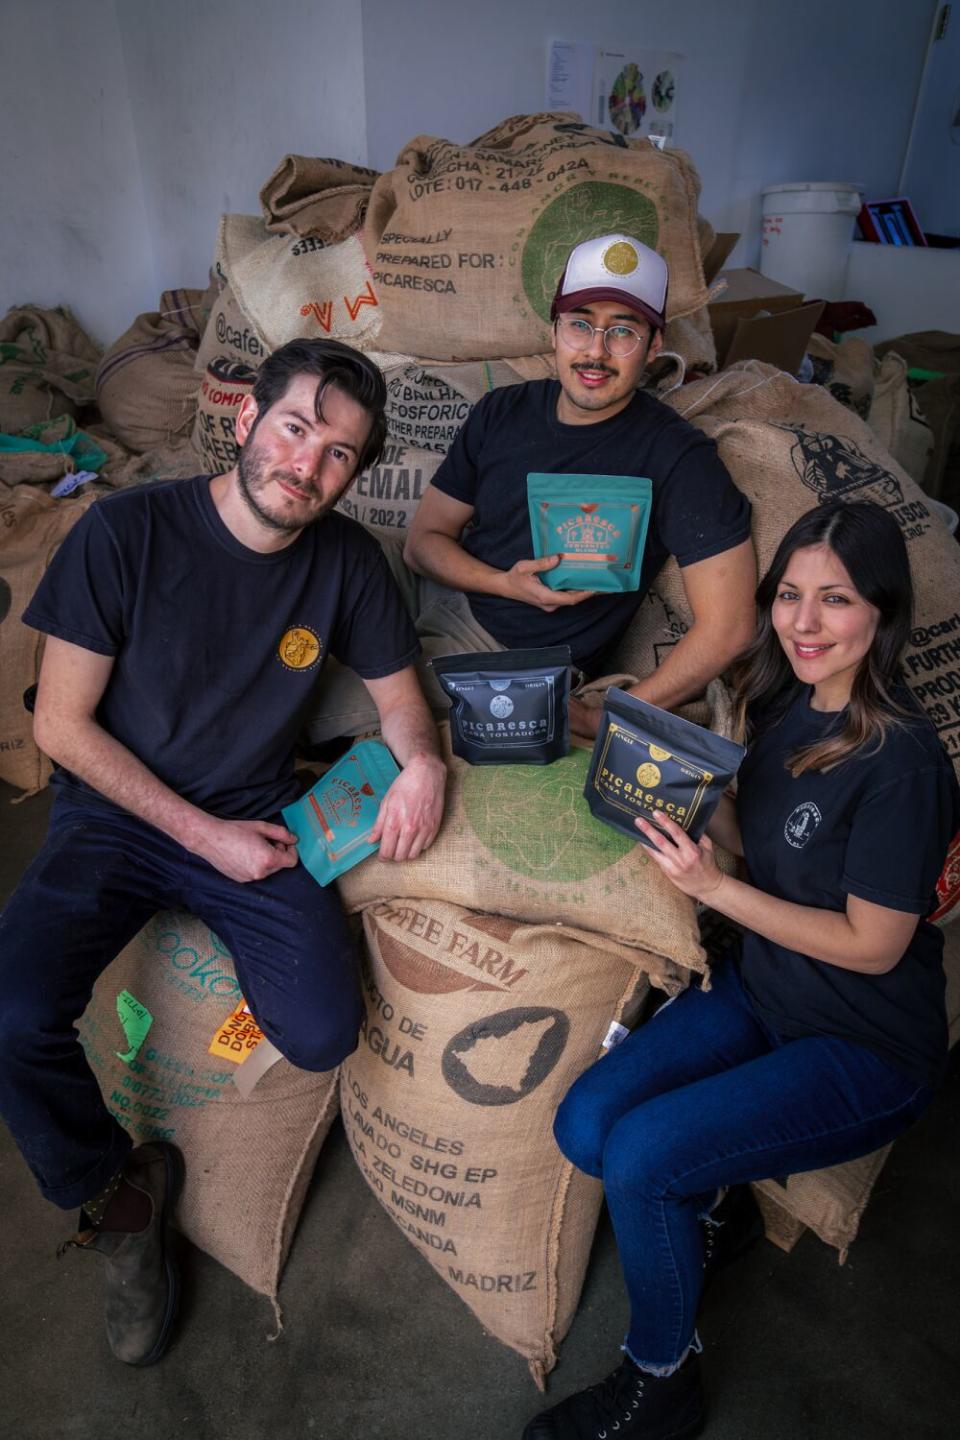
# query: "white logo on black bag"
{"points": [[801, 824]]}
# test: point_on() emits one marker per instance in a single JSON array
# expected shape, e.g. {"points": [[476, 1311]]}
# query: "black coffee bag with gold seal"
{"points": [[508, 707], [647, 762]]}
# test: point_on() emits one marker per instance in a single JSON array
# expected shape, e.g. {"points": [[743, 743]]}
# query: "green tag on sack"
{"points": [[136, 1021]]}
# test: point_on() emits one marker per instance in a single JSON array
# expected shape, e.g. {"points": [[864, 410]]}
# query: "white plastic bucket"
{"points": [[807, 232]]}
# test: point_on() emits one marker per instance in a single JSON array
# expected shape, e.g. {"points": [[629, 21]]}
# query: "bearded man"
{"points": [[187, 624]]}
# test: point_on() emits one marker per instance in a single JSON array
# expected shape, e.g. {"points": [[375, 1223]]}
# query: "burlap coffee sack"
{"points": [[475, 1028], [829, 1202], [293, 287], [519, 840], [789, 447], [385, 496], [898, 421], [467, 242], [689, 337], [176, 461], [229, 336], [248, 1161], [310, 196], [47, 366], [938, 352], [146, 383], [63, 443], [846, 370], [428, 402], [32, 525], [223, 388]]}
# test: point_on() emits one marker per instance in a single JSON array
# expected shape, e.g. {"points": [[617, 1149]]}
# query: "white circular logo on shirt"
{"points": [[801, 824], [501, 706]]}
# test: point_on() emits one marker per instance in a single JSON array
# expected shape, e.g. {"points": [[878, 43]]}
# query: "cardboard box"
{"points": [[756, 318], [718, 254]]}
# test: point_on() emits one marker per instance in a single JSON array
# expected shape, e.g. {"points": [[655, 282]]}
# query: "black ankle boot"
{"points": [[630, 1404], [730, 1230]]}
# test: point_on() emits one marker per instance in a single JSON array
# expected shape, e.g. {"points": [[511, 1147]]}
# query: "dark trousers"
{"points": [[706, 1096], [99, 878]]}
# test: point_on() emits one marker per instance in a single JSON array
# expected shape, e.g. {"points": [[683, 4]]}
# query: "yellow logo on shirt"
{"points": [[300, 648]]}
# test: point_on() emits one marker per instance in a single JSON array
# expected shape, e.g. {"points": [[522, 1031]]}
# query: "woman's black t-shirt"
{"points": [[877, 827]]}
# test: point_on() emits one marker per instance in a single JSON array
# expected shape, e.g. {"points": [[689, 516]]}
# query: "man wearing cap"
{"points": [[470, 538]]}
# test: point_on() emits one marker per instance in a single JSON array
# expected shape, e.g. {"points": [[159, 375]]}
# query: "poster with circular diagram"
{"points": [[635, 93]]}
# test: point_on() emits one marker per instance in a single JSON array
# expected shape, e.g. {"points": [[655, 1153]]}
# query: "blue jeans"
{"points": [[99, 878], [705, 1096]]}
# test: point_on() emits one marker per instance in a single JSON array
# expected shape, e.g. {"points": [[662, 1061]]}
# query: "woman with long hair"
{"points": [[823, 1036]]}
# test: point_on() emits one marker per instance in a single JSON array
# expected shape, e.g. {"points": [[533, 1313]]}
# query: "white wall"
{"points": [[220, 93], [128, 126], [932, 174], [73, 225], [772, 89]]}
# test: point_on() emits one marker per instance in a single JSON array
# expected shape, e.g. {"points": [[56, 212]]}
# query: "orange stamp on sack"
{"points": [[237, 1037]]}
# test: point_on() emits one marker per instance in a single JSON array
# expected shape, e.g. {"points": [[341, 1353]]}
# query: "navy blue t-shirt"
{"points": [[877, 827], [697, 510], [218, 647]]}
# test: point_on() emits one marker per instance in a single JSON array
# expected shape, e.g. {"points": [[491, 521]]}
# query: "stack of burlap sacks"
{"points": [[136, 403], [495, 966]]}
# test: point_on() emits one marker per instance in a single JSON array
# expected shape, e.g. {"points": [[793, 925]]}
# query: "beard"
{"points": [[253, 479]]}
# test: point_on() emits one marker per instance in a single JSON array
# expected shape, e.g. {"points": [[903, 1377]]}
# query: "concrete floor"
{"points": [[375, 1345]]}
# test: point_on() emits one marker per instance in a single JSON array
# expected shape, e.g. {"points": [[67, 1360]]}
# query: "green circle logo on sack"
{"points": [[579, 214], [533, 819], [503, 1058]]}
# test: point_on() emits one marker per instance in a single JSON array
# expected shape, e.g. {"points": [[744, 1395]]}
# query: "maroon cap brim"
{"points": [[563, 303]]}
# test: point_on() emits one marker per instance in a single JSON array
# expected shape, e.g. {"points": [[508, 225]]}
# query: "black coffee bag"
{"points": [[647, 762], [508, 707]]}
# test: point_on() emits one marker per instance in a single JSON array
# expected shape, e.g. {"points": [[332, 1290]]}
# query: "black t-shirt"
{"points": [[877, 827], [218, 647], [512, 432]]}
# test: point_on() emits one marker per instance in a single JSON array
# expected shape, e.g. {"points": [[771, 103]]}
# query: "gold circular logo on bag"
{"points": [[300, 648], [648, 776], [620, 259], [657, 754]]}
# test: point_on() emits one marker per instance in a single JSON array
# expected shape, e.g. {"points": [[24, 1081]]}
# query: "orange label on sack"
{"points": [[237, 1037]]}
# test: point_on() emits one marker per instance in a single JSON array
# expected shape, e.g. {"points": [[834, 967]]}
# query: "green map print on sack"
{"points": [[594, 208], [534, 819]]}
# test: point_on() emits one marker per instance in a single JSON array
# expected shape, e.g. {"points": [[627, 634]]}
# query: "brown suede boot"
{"points": [[141, 1277]]}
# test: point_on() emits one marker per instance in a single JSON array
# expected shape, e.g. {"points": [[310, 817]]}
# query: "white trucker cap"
{"points": [[617, 268]]}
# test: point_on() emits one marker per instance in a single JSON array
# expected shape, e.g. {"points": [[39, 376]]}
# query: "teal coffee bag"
{"points": [[647, 762], [597, 524], [332, 822]]}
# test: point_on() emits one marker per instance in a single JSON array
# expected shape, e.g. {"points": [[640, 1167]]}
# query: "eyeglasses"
{"points": [[618, 340]]}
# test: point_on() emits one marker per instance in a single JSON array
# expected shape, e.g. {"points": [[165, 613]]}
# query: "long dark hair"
{"points": [[867, 541], [333, 363]]}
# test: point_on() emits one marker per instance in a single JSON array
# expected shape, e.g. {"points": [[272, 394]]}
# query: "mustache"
{"points": [[291, 480], [589, 365]]}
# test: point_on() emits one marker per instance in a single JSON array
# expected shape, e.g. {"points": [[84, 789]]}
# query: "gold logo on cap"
{"points": [[648, 776], [299, 648], [620, 258]]}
